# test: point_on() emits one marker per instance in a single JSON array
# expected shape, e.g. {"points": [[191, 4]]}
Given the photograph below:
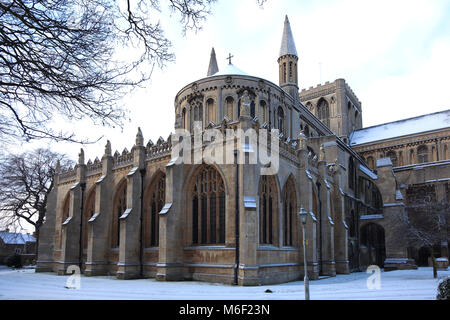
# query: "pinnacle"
{"points": [[213, 68], [287, 40]]}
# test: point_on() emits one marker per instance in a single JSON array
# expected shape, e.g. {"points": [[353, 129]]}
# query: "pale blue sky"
{"points": [[393, 54]]}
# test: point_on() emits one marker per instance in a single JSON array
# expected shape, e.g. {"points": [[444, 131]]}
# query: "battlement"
{"points": [[329, 88]]}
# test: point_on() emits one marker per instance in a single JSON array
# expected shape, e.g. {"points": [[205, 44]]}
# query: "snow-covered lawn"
{"points": [[405, 284]]}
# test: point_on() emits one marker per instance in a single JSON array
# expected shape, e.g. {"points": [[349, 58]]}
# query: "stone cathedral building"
{"points": [[140, 214]]}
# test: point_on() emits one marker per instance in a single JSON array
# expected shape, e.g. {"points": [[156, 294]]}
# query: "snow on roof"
{"points": [[424, 123], [230, 69], [16, 238]]}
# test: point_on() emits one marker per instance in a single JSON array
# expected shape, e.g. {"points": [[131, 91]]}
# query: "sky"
{"points": [[393, 54]]}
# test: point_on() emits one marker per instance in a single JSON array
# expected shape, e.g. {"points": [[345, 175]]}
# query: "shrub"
{"points": [[14, 261], [444, 289]]}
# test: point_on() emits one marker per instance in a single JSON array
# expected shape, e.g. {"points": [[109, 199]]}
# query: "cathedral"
{"points": [[143, 214]]}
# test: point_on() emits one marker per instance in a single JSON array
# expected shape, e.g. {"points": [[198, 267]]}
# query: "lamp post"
{"points": [[303, 215]]}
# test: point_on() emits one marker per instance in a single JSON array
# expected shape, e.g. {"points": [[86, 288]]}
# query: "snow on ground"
{"points": [[405, 284]]}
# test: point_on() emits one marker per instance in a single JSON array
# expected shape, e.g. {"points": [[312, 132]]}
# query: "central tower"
{"points": [[287, 62]]}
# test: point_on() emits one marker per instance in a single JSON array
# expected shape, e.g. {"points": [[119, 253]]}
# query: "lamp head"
{"points": [[303, 214]]}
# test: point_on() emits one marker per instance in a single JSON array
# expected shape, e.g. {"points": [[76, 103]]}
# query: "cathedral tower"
{"points": [[287, 62]]}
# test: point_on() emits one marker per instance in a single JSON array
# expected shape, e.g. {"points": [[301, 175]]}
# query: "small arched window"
{"points": [[229, 101], [211, 115], [422, 154], [280, 119], [393, 156], [263, 111], [184, 120], [371, 162]]}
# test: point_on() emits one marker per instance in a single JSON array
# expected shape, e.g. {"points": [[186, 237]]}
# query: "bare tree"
{"points": [[426, 224], [25, 182], [66, 58]]}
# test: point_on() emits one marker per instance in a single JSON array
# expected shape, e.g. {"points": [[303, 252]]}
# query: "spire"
{"points": [[287, 41], [212, 69]]}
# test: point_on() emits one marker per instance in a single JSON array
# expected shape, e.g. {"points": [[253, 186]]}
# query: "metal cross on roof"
{"points": [[229, 58]]}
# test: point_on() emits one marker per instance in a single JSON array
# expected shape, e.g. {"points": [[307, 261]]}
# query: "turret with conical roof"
{"points": [[287, 61]]}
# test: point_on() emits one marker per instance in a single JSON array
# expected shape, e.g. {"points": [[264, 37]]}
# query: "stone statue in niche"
{"points": [[245, 104]]}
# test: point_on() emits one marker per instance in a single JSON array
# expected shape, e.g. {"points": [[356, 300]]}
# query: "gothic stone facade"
{"points": [[141, 214]]}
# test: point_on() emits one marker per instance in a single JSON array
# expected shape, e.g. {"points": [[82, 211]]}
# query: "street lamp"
{"points": [[303, 215]]}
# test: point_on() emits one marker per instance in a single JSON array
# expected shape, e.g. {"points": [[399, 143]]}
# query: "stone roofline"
{"points": [[331, 86]]}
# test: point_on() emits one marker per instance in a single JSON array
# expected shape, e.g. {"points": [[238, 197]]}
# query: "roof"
{"points": [[16, 238], [287, 41], [230, 69], [424, 123]]}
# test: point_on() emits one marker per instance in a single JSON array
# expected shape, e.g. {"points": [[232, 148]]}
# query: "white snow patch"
{"points": [[401, 284]]}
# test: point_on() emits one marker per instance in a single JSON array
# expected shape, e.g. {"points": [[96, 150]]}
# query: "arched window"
{"points": [[89, 211], [323, 111], [284, 72], [412, 159], [252, 109], [290, 71], [280, 119], [183, 115], [120, 205], [393, 156], [207, 206], [211, 115], [371, 162], [289, 209], [65, 214], [197, 114], [229, 101], [154, 202], [422, 154], [268, 210]]}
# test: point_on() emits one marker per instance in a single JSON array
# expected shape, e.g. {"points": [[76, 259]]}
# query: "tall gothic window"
{"points": [[154, 202], [208, 207], [120, 205], [290, 71], [89, 211], [229, 101], [289, 207], [65, 214], [280, 119], [323, 111], [284, 72], [267, 210], [422, 154]]}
